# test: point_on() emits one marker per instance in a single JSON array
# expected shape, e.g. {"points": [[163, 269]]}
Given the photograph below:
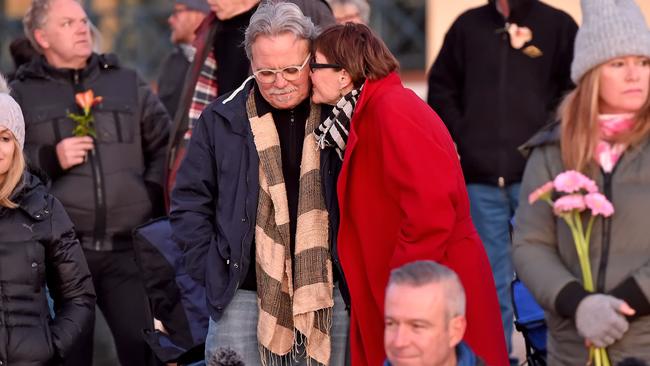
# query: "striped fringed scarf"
{"points": [[205, 91], [334, 131], [300, 312]]}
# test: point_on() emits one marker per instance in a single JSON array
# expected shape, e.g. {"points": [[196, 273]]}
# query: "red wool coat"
{"points": [[402, 198]]}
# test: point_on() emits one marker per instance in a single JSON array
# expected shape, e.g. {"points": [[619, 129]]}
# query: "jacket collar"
{"points": [[232, 106], [548, 135], [41, 69], [519, 10], [30, 195], [371, 87], [464, 356]]}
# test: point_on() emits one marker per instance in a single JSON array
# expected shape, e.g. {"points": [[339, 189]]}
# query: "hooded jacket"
{"points": [[493, 97], [38, 244], [120, 184], [545, 256]]}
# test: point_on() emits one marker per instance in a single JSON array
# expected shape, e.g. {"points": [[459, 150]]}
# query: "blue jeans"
{"points": [[237, 330], [492, 208]]}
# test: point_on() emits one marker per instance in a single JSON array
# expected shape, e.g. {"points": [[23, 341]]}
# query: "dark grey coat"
{"points": [[545, 256], [119, 185]]}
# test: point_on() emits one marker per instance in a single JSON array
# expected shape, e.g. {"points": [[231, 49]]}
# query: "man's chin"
{"points": [[405, 361]]}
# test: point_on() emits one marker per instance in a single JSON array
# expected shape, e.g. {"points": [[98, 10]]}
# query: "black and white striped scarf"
{"points": [[334, 131]]}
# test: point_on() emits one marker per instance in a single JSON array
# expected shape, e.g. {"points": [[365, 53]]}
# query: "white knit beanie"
{"points": [[610, 29], [11, 116]]}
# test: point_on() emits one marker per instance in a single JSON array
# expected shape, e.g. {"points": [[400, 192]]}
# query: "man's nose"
{"points": [[280, 81], [83, 28]]}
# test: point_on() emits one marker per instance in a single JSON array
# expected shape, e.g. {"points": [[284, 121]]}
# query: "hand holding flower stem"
{"points": [[85, 122], [581, 193]]}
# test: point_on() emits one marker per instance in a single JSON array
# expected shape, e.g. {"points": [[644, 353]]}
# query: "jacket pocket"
{"points": [[115, 123], [48, 125]]}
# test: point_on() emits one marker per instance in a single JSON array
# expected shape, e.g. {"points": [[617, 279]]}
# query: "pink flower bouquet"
{"points": [[580, 194]]}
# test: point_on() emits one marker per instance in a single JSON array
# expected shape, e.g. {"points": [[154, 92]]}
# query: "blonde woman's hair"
{"points": [[580, 131], [13, 179]]}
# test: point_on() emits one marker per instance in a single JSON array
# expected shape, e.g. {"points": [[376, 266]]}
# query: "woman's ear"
{"points": [[345, 80]]}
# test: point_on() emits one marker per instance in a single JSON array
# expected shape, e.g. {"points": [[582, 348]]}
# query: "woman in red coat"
{"points": [[401, 191]]}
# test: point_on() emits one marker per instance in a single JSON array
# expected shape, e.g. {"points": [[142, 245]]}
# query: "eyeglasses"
{"points": [[289, 73], [313, 65]]}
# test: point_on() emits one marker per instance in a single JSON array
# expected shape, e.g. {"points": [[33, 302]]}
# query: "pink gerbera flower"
{"points": [[543, 192], [569, 203], [599, 205], [572, 181]]}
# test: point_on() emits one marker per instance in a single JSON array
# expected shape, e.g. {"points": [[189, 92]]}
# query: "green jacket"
{"points": [[545, 256]]}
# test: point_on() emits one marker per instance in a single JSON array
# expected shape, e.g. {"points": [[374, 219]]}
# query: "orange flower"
{"points": [[87, 100]]}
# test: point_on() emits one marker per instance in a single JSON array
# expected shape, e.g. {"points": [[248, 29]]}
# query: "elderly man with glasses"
{"points": [[254, 207]]}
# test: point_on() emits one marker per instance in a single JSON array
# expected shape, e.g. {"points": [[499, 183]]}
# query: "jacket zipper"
{"points": [[502, 105], [292, 136], [247, 219], [606, 236], [100, 201]]}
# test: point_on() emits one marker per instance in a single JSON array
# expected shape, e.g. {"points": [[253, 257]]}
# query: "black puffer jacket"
{"points": [[120, 184], [37, 242]]}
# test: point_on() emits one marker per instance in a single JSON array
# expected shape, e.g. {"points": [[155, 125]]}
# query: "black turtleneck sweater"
{"points": [[290, 124], [232, 64]]}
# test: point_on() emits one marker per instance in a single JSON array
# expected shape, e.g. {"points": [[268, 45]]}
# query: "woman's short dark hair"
{"points": [[357, 50]]}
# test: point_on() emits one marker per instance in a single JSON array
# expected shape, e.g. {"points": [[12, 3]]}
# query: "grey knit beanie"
{"points": [[610, 29], [198, 5], [11, 116]]}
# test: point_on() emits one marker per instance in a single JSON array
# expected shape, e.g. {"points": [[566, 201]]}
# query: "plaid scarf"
{"points": [[205, 91], [334, 131], [294, 308]]}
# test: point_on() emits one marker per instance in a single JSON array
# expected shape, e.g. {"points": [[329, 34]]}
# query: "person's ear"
{"points": [[345, 80], [457, 326], [41, 38]]}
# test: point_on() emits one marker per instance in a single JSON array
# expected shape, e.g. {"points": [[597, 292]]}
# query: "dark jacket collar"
{"points": [[30, 195], [464, 356], [548, 135], [39, 68], [232, 106], [519, 9]]}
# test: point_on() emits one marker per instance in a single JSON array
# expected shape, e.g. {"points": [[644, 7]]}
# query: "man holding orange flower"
{"points": [[99, 133]]}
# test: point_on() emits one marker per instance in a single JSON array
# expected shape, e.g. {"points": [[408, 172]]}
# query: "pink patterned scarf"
{"points": [[607, 153]]}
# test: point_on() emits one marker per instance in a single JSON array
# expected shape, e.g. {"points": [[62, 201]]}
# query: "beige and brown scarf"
{"points": [[294, 308]]}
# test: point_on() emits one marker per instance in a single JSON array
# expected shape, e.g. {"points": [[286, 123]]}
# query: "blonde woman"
{"points": [[37, 246], [604, 133]]}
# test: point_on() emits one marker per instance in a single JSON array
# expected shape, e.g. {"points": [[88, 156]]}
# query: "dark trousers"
{"points": [[122, 300]]}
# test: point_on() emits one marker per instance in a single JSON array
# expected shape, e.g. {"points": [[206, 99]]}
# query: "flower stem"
{"points": [[605, 357], [589, 226], [599, 360]]}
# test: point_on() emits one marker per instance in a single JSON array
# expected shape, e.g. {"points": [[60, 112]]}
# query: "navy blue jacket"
{"points": [[214, 201]]}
